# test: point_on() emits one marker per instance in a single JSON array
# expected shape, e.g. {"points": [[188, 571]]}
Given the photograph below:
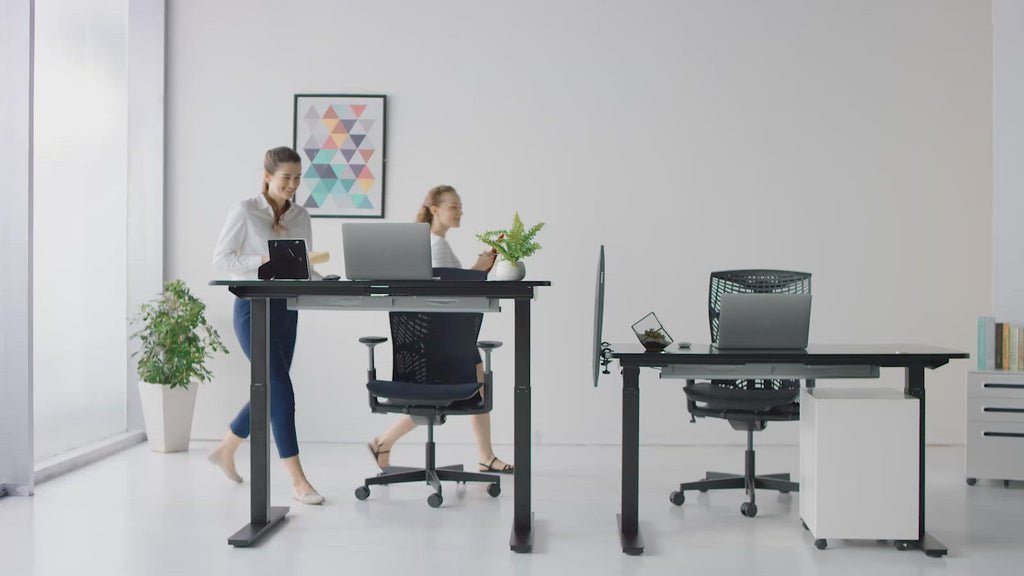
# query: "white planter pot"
{"points": [[168, 414], [505, 271]]}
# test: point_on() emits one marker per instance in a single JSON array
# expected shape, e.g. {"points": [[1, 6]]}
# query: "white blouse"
{"points": [[441, 254], [243, 240]]}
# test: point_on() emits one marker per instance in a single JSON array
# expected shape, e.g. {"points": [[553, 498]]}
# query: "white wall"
{"points": [[80, 212], [16, 248], [851, 140], [1008, 173]]}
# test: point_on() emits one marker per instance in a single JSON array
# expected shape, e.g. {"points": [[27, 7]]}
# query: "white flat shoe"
{"points": [[232, 475], [311, 497]]}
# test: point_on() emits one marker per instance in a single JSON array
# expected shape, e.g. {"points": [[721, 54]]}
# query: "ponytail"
{"points": [[433, 199]]}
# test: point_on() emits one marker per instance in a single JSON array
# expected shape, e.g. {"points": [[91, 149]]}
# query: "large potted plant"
{"points": [[176, 341], [512, 246]]}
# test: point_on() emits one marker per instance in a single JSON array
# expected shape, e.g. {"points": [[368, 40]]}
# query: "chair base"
{"points": [[724, 481], [749, 481], [433, 477]]}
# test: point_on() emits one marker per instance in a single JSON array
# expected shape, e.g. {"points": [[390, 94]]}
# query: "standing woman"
{"points": [[241, 248], [442, 209]]}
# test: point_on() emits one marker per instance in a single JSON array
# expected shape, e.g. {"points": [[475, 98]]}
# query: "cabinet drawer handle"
{"points": [[989, 385], [1011, 410], [1004, 434]]}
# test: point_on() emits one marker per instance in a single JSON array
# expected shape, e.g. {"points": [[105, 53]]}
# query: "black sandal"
{"points": [[376, 451], [506, 469]]}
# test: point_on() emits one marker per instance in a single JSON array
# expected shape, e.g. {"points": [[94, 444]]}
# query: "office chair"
{"points": [[433, 376], [748, 405]]}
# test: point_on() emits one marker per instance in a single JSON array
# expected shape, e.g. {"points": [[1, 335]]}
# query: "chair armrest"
{"points": [[370, 342], [487, 346]]}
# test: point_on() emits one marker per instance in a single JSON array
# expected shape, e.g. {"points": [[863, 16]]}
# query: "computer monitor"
{"points": [[600, 346]]}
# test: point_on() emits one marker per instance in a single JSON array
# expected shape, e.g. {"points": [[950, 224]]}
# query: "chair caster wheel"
{"points": [[902, 545], [972, 481], [362, 493], [677, 498], [821, 543], [435, 500], [494, 489], [748, 509]]}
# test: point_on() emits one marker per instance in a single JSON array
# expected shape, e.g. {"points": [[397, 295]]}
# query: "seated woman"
{"points": [[442, 209]]}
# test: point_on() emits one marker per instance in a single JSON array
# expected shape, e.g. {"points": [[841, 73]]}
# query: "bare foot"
{"points": [[226, 462], [496, 465], [382, 456]]}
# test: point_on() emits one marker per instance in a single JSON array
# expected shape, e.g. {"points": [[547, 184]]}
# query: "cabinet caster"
{"points": [[902, 545], [821, 543], [1006, 483], [494, 489], [677, 498], [748, 509], [435, 500], [972, 481], [804, 524]]}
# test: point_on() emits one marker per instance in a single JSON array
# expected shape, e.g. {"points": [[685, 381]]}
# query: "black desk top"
{"points": [[291, 288], [892, 355]]}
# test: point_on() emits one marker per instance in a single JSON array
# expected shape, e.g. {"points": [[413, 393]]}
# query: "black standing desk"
{"points": [[704, 362], [406, 295]]}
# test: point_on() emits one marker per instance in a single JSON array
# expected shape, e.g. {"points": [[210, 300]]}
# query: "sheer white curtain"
{"points": [[80, 223]]}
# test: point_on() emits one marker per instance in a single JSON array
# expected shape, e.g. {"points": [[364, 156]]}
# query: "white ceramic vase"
{"points": [[168, 415], [503, 270]]}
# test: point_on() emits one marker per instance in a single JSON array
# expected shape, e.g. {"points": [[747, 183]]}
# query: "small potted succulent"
{"points": [[512, 246], [176, 341]]}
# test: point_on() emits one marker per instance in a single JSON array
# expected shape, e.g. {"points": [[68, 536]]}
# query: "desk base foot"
{"points": [[250, 533], [932, 547], [632, 544], [522, 538]]}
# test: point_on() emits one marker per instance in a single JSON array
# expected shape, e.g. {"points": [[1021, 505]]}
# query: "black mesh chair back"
{"points": [[749, 282], [435, 348]]}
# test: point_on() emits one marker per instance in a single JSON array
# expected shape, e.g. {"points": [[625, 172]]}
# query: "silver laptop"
{"points": [[386, 250], [770, 321]]}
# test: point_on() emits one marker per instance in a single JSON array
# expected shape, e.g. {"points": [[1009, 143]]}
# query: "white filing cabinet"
{"points": [[995, 426], [859, 464]]}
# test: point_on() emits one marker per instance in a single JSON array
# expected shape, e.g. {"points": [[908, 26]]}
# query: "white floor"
{"points": [[141, 512]]}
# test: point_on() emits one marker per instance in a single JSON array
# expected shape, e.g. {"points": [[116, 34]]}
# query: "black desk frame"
{"points": [[913, 358], [371, 296]]}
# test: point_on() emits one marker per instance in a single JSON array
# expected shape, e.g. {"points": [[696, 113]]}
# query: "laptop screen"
{"points": [[769, 321], [387, 250]]}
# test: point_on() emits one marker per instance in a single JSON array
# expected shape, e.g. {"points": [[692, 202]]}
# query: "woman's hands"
{"points": [[484, 261]]}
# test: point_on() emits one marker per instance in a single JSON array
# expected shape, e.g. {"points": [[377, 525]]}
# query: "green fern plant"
{"points": [[514, 244], [176, 338]]}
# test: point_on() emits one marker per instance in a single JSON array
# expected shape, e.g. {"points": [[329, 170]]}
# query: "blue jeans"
{"points": [[283, 323]]}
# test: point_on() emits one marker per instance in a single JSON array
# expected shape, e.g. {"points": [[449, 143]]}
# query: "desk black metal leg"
{"points": [[262, 515], [629, 530], [915, 387], [522, 523]]}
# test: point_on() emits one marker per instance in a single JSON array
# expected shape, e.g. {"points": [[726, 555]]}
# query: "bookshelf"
{"points": [[995, 426]]}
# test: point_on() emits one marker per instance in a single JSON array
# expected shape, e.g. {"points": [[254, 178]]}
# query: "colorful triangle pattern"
{"points": [[338, 149]]}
